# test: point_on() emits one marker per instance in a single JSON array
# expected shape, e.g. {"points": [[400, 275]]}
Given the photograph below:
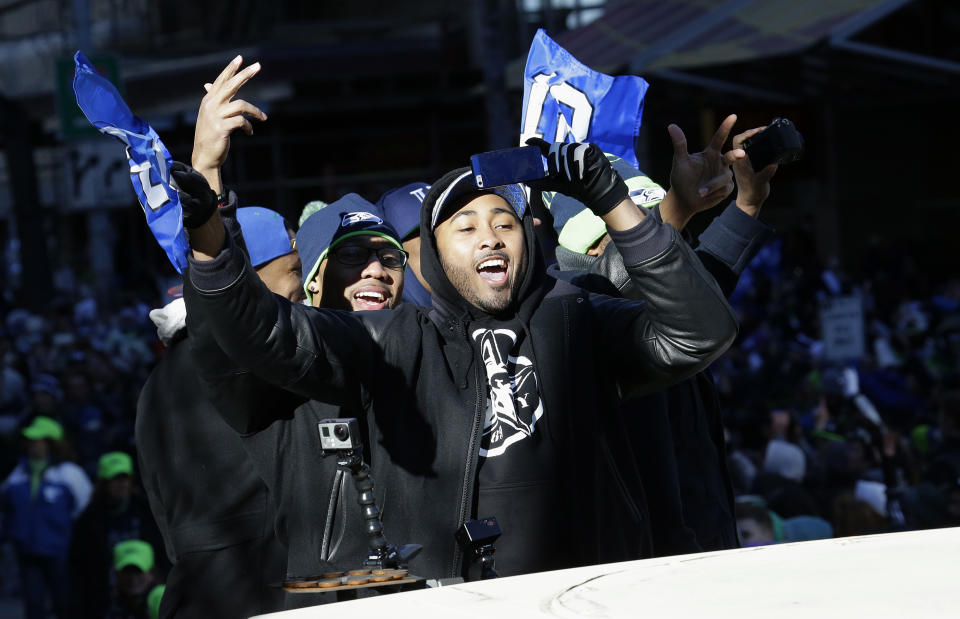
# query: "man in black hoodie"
{"points": [[317, 517], [493, 401], [353, 262], [211, 507]]}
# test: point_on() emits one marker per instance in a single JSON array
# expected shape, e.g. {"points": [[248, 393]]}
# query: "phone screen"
{"points": [[507, 166]]}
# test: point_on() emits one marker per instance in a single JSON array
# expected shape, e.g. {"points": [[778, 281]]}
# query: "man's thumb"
{"points": [[679, 140]]}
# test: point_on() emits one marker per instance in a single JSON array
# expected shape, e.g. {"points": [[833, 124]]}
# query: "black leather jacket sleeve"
{"points": [[314, 353], [726, 247], [685, 323], [246, 402]]}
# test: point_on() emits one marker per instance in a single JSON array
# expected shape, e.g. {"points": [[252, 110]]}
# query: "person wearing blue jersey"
{"points": [[39, 502]]}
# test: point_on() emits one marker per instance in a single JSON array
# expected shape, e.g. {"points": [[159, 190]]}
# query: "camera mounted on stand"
{"points": [[342, 438]]}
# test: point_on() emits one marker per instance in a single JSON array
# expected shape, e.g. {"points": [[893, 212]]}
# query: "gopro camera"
{"points": [[779, 142], [507, 166], [339, 435]]}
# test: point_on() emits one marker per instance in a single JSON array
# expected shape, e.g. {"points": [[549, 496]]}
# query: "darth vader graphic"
{"points": [[514, 404]]}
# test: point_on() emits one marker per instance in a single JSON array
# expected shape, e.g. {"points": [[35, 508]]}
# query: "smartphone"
{"points": [[507, 166], [779, 142]]}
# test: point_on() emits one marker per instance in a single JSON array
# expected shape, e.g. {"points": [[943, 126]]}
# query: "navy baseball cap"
{"points": [[401, 208], [265, 234], [577, 227], [348, 217], [464, 185]]}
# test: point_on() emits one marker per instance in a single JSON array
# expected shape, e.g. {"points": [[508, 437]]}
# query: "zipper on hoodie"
{"points": [[469, 473]]}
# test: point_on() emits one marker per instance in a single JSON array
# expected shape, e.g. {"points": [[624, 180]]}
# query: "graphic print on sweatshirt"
{"points": [[514, 404]]}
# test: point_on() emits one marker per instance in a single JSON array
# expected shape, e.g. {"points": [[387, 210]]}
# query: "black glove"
{"points": [[583, 172], [198, 201]]}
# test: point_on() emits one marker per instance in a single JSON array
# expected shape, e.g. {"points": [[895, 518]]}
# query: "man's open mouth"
{"points": [[493, 270], [370, 298]]}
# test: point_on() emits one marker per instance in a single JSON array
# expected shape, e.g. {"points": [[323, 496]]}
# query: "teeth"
{"points": [[493, 262], [375, 296]]}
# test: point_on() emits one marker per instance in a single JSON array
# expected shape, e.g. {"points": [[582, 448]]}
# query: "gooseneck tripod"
{"points": [[382, 554]]}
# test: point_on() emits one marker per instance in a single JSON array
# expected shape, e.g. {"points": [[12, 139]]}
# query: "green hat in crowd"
{"points": [[43, 427], [153, 601], [113, 464], [578, 229], [135, 552], [309, 209]]}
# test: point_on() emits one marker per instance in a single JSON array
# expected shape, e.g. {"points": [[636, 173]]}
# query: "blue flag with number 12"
{"points": [[148, 158], [567, 101]]}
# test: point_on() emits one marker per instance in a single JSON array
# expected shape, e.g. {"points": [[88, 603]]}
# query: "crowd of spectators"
{"points": [[70, 376], [77, 363], [823, 447]]}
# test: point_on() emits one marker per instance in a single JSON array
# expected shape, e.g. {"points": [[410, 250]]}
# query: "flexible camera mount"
{"points": [[382, 554], [341, 437]]}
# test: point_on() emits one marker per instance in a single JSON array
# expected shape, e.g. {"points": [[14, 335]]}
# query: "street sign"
{"points": [[841, 319]]}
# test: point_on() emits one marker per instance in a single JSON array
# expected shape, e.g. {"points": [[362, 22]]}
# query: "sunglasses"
{"points": [[357, 255]]}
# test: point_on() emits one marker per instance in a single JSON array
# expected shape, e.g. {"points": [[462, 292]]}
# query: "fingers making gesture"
{"points": [[220, 114], [703, 179], [700, 180]]}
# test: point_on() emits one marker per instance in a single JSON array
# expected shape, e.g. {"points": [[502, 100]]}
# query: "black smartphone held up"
{"points": [[779, 142], [507, 166]]}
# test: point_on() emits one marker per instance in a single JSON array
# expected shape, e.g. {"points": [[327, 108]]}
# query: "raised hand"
{"points": [[219, 116], [753, 188], [699, 181], [583, 172]]}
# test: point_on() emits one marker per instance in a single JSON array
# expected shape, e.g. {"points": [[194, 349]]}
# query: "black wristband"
{"points": [[613, 196]]}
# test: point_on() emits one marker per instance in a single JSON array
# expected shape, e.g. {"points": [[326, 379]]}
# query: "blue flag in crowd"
{"points": [[149, 159], [566, 101]]}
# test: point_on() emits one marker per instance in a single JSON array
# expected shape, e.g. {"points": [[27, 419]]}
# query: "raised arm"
{"points": [[734, 237], [686, 322], [315, 353], [246, 402]]}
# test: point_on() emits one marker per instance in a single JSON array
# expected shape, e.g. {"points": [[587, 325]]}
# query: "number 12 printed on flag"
{"points": [[566, 101]]}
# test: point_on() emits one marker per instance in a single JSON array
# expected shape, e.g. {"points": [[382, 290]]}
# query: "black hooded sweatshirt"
{"points": [[421, 379]]}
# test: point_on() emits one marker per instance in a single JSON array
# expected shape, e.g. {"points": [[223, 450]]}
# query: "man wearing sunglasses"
{"points": [[352, 261], [352, 258]]}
